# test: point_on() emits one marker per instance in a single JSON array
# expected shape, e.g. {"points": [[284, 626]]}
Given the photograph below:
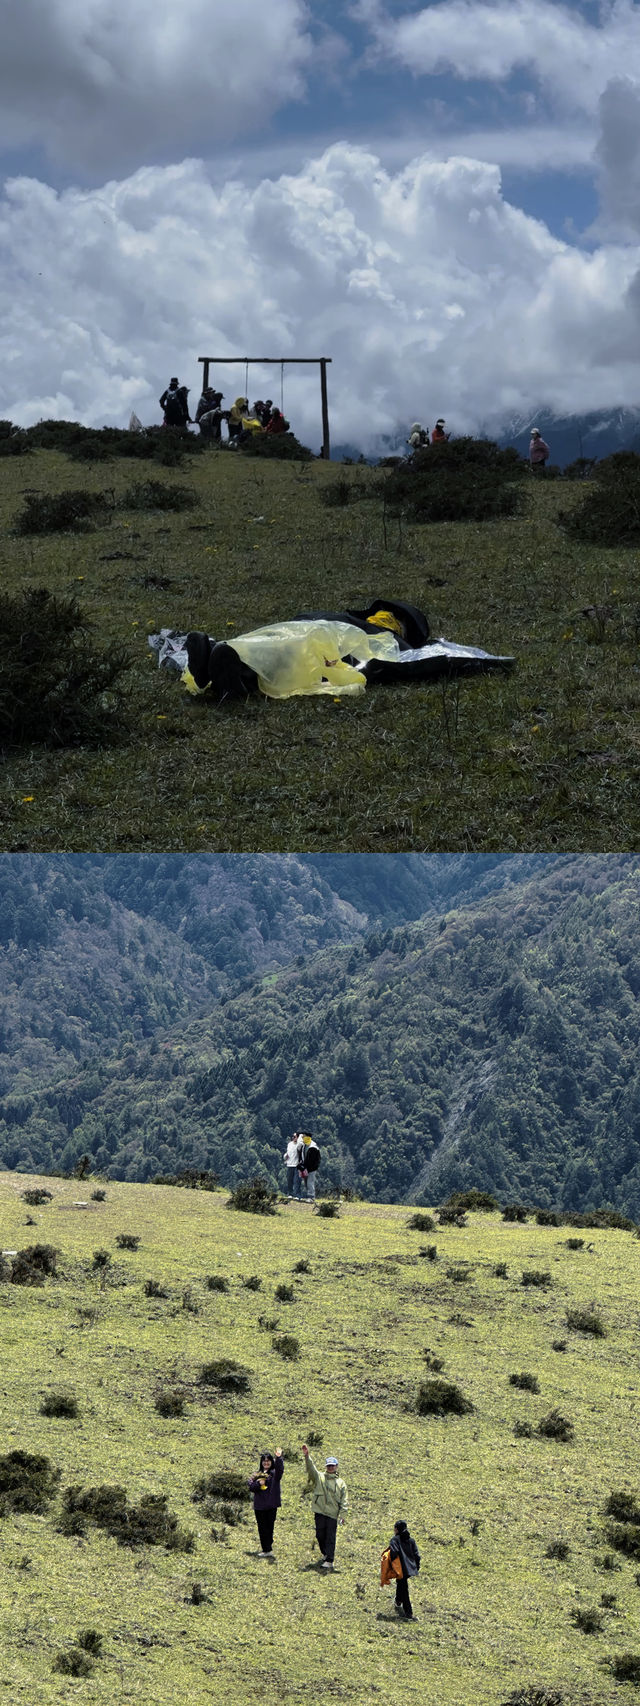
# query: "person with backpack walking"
{"points": [[403, 1547], [309, 1164], [330, 1501], [418, 437], [175, 403], [265, 1489]]}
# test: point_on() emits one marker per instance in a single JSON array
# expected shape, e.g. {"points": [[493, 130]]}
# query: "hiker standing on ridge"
{"points": [[418, 437], [539, 452], [175, 403], [292, 1162], [402, 1546], [439, 436], [265, 1487], [329, 1502]]}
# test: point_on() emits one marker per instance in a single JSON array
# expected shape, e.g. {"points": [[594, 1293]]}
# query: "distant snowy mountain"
{"points": [[568, 436]]}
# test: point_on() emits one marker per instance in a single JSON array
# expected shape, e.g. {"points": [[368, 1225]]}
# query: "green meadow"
{"points": [[495, 1612], [546, 758]]}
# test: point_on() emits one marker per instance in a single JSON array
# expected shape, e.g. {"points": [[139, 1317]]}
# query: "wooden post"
{"points": [[326, 450]]}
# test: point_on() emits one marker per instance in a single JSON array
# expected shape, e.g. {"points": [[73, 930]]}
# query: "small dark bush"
{"points": [[525, 1382], [500, 1270], [515, 1211], [281, 446], [302, 1267], [548, 1217], [468, 480], [459, 1274], [73, 1663], [101, 1260], [558, 1549], [253, 1283], [434, 1363], [598, 1218], [609, 513], [625, 1537], [36, 1197], [623, 1507], [625, 1667], [127, 1241], [55, 688], [442, 1398], [59, 1404], [574, 1243], [523, 1430], [559, 1345], [451, 1217], [608, 1600], [90, 1641], [197, 1595], [224, 1484], [586, 1321], [287, 1347], [169, 1402], [149, 1523], [189, 1302], [328, 1210], [314, 1438], [268, 1323], [216, 1282], [340, 493], [555, 1426], [33, 1264], [156, 494], [27, 1483], [533, 1696], [421, 1223], [588, 1619], [153, 1288], [285, 1293], [66, 512], [429, 1252], [472, 1202], [190, 1178], [607, 1563], [225, 1376], [254, 1197], [536, 1276], [98, 1196]]}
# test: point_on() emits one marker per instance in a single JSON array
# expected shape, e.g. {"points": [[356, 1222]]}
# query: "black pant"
{"points": [[266, 1524], [326, 1528], [402, 1596]]}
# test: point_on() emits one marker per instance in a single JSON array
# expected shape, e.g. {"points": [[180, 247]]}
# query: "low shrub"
{"points": [[287, 1347], [500, 1270], [555, 1426], [467, 480], [537, 1276], [278, 446], [56, 690], [101, 1260], [574, 1243], [515, 1211], [225, 1484], [434, 1363], [62, 512], [548, 1217], [190, 1179], [429, 1252], [157, 494], [98, 1196], [421, 1223], [268, 1323], [623, 1507], [339, 493], [149, 1523], [34, 1198], [588, 1619], [535, 1696], [314, 1439], [90, 1641], [225, 1376], [253, 1283], [608, 1600], [285, 1293], [559, 1345], [624, 1537], [189, 1303], [442, 1398], [169, 1402], [559, 1549], [34, 1264], [328, 1210], [216, 1282], [153, 1288], [451, 1217], [28, 1482], [302, 1267], [523, 1430], [625, 1667], [586, 1321], [598, 1219], [609, 513], [525, 1382], [127, 1240], [74, 1663], [60, 1404], [254, 1197], [472, 1202], [607, 1563], [459, 1274]]}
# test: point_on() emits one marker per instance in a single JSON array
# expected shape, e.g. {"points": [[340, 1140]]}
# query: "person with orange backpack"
{"points": [[399, 1563]]}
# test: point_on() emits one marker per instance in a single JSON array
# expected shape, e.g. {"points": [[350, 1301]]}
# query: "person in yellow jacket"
{"points": [[330, 1501], [236, 412]]}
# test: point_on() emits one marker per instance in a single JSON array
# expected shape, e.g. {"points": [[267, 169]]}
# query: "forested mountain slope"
{"points": [[493, 1043]]}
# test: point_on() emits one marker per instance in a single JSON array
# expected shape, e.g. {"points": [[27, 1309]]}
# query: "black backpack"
{"points": [[176, 407]]}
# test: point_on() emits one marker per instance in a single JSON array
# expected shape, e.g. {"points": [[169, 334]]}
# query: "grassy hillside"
{"points": [[545, 759], [495, 1611]]}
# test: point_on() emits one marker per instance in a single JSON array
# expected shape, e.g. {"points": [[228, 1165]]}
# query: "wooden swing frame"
{"points": [[321, 361]]}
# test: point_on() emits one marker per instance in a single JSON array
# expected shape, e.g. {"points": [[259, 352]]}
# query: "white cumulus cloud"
{"points": [[110, 83], [432, 294]]}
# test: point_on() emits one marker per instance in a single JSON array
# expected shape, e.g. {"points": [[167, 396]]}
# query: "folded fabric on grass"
{"points": [[334, 653]]}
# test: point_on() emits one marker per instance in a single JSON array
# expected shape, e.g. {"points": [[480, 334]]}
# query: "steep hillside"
{"points": [[494, 1045], [528, 1590]]}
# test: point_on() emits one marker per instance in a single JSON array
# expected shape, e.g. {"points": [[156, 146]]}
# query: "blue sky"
{"points": [[450, 178]]}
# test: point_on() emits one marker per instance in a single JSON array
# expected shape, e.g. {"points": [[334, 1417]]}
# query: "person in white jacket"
{"points": [[291, 1158]]}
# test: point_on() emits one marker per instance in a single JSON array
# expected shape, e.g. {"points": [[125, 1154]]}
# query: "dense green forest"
{"points": [[494, 1041]]}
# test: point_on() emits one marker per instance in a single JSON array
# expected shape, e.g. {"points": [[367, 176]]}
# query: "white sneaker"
{"points": [[326, 1565]]}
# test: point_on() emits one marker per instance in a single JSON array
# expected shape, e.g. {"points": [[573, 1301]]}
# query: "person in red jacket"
{"points": [[277, 422], [439, 436], [539, 452]]}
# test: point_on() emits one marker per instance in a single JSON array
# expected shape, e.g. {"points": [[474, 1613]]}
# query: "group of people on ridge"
{"points": [[302, 1160], [243, 421], [330, 1502], [419, 436]]}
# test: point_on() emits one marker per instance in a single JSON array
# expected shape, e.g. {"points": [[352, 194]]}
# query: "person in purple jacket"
{"points": [[265, 1487]]}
